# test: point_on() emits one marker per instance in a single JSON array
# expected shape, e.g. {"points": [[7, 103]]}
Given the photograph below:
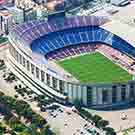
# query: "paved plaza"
{"points": [[114, 118]]}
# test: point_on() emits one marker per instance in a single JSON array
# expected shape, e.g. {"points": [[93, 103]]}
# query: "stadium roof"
{"points": [[124, 31], [118, 2]]}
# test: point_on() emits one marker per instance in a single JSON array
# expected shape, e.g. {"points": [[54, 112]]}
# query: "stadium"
{"points": [[82, 57]]}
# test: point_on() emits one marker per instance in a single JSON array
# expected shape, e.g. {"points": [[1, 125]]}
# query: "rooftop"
{"points": [[125, 31]]}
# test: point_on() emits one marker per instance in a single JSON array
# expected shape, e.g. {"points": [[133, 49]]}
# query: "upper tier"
{"points": [[26, 33]]}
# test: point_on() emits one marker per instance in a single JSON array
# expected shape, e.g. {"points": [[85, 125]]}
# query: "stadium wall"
{"points": [[40, 81]]}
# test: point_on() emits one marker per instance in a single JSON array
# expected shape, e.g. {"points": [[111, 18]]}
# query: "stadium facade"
{"points": [[31, 42]]}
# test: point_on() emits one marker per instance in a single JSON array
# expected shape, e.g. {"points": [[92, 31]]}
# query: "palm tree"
{"points": [[33, 129]]}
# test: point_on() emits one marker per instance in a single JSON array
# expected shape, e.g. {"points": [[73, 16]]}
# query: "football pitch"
{"points": [[93, 68]]}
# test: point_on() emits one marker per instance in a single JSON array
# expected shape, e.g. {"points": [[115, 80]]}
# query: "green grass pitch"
{"points": [[93, 68]]}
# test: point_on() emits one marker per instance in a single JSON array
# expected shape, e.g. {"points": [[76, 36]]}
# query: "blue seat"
{"points": [[56, 43], [61, 43], [67, 37], [71, 38], [84, 37], [90, 36], [77, 38]]}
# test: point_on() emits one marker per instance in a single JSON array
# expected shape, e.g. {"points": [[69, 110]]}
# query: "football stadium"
{"points": [[82, 57]]}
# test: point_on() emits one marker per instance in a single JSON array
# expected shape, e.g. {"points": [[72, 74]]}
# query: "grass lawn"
{"points": [[93, 68]]}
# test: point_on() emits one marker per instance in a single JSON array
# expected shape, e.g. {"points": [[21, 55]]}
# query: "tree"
{"points": [[78, 104], [33, 129], [24, 133], [47, 130], [18, 127], [2, 130], [96, 118], [110, 131], [86, 114], [102, 123], [28, 114]]}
